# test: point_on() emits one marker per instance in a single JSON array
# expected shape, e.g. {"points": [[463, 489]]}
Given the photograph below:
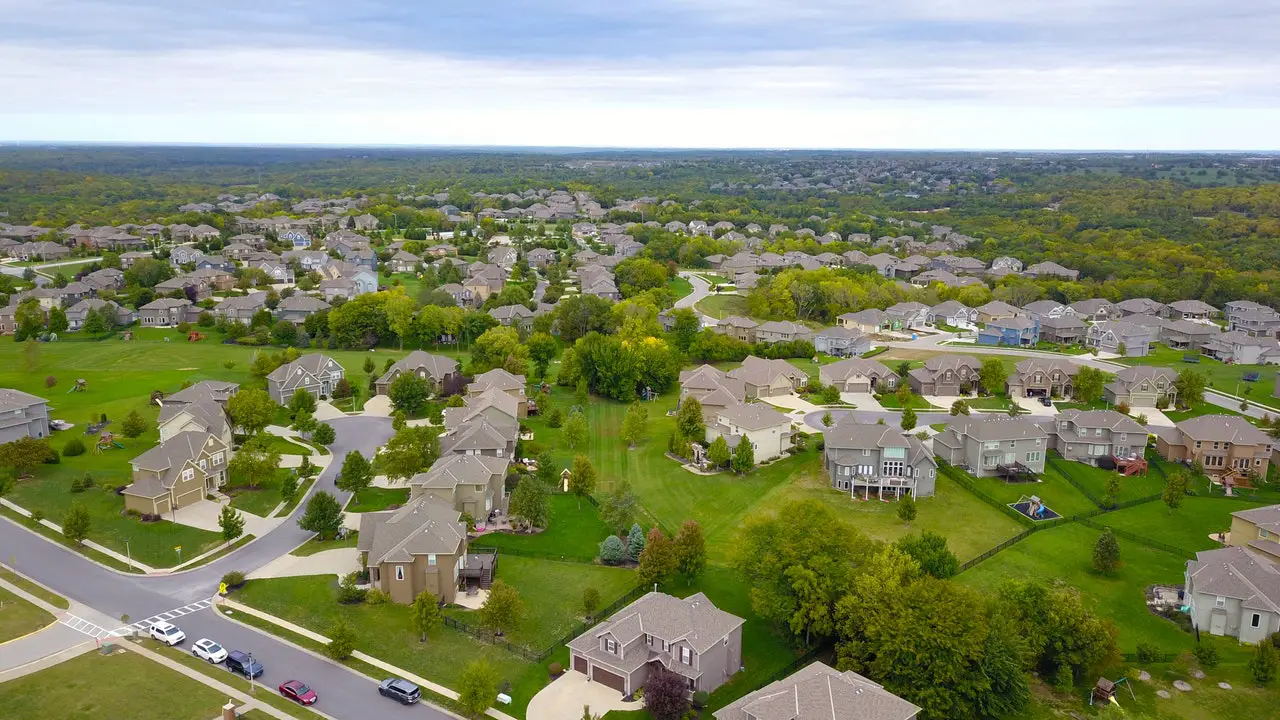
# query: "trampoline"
{"points": [[1033, 508]]}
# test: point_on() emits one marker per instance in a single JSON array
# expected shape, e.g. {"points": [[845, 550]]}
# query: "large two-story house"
{"points": [[22, 415], [713, 389], [768, 430], [689, 636], [502, 381], [315, 373], [1227, 446], [176, 473], [472, 484], [1257, 529], [858, 375], [946, 375], [993, 444], [1041, 377], [861, 457], [1233, 591], [1121, 337], [199, 408], [421, 546], [440, 372], [1089, 436], [769, 378], [1142, 386], [841, 341]]}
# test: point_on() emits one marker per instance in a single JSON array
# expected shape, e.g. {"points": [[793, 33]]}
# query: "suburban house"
{"points": [[953, 313], [241, 307], [22, 415], [818, 692], [404, 262], [1187, 334], [905, 315], [184, 255], [485, 425], [1140, 306], [1190, 310], [471, 484], [1252, 318], [1066, 329], [947, 375], [777, 331], [421, 546], [863, 457], [199, 408], [176, 473], [768, 430], [297, 308], [1041, 377], [993, 444], [1142, 386], [1227, 446], [502, 381], [1014, 331], [541, 257], [1120, 337], [1051, 270], [166, 312], [841, 341], [856, 375], [440, 372], [116, 314], [517, 316], [713, 389], [1087, 436], [1257, 529], [1041, 309], [1241, 348], [738, 327], [1233, 591], [1095, 310], [769, 378], [308, 260], [689, 636], [998, 310], [315, 373], [868, 321]]}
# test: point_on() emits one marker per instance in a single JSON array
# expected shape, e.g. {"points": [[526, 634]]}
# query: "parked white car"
{"points": [[167, 634], [206, 649]]}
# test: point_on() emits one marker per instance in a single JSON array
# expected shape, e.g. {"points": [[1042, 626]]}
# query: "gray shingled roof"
{"points": [[818, 692], [1239, 573], [425, 526], [1223, 428], [498, 379], [449, 471], [694, 619], [754, 416]]}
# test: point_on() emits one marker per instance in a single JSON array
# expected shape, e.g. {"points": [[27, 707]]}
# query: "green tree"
{"points": [[1106, 553], [635, 424], [477, 688], [992, 375], [408, 394], [323, 434], [342, 640], [1112, 489], [301, 401], [690, 550], [575, 430], [930, 551], [744, 457], [908, 419], [547, 472], [1190, 385], [530, 502], [582, 479], [231, 522], [76, 523], [618, 508], [504, 610], [1264, 663], [590, 601], [398, 309], [718, 452], [1175, 488], [58, 320], [612, 550], [133, 425], [1061, 633], [28, 320], [426, 614], [635, 541], [251, 410], [368, 366], [23, 455], [959, 407], [657, 560], [827, 420], [542, 350], [685, 328], [1088, 383], [95, 323], [907, 508], [254, 462], [499, 347], [322, 516], [689, 422], [356, 473], [582, 394], [410, 451]]}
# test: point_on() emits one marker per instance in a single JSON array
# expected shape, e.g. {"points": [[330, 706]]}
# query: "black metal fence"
{"points": [[1140, 539]]}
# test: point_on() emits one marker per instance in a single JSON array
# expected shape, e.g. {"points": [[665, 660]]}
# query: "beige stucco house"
{"points": [[421, 546], [176, 473], [768, 430]]}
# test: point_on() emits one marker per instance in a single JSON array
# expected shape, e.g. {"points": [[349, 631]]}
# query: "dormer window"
{"points": [[611, 646]]}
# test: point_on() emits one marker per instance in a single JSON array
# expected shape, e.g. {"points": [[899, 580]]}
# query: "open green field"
{"points": [[52, 598], [259, 500], [575, 528], [94, 686], [315, 545], [552, 593], [722, 306], [19, 617], [409, 281]]}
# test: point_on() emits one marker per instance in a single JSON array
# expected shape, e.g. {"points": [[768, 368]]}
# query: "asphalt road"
{"points": [[344, 693]]}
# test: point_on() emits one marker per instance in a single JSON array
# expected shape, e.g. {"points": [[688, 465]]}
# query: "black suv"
{"points": [[402, 690], [239, 662]]}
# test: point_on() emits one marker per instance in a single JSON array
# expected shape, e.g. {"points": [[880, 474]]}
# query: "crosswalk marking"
{"points": [[144, 625], [85, 627]]}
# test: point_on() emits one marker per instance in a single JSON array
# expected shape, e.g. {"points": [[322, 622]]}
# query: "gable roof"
{"points": [[424, 526], [436, 366], [753, 416], [1223, 428], [452, 470], [1239, 573], [693, 619], [759, 371], [498, 379], [818, 692]]}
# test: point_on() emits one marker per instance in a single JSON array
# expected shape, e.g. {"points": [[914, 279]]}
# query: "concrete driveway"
{"points": [[326, 411], [566, 695], [378, 406], [862, 401], [328, 562]]}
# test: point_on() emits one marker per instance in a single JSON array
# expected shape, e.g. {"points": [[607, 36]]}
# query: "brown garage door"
{"points": [[580, 664], [608, 679]]}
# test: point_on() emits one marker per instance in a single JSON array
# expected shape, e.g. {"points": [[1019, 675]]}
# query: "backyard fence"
{"points": [[1141, 540]]}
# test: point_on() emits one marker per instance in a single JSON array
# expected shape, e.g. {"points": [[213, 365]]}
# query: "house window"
{"points": [[188, 474], [1219, 601], [992, 445], [1033, 457], [865, 452], [1255, 620], [1013, 444], [893, 468], [499, 452], [431, 559], [1263, 532], [399, 572], [217, 458], [686, 655], [611, 646], [648, 639]]}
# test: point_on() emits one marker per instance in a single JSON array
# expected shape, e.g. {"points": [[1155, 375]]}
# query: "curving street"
{"points": [[344, 693]]}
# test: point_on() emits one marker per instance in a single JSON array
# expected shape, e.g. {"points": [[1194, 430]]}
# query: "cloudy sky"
{"points": [[1066, 74]]}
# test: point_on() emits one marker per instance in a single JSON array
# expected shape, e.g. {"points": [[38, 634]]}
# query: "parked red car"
{"points": [[298, 691]]}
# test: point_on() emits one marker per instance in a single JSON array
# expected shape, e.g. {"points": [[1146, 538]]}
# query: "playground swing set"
{"points": [[1033, 507], [106, 441]]}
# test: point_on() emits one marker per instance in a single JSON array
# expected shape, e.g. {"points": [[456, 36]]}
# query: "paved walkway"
{"points": [[338, 562], [388, 667], [378, 406], [247, 701], [87, 543], [565, 697], [863, 401], [326, 411]]}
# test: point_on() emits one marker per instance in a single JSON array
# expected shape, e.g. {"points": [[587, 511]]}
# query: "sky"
{"points": [[963, 74]]}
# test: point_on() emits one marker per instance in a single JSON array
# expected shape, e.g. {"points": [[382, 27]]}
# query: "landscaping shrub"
{"points": [[50, 381], [555, 669], [233, 579], [1206, 655], [73, 447], [36, 517], [348, 593], [87, 481], [700, 699], [76, 486], [612, 551], [375, 597], [150, 517], [1148, 653]]}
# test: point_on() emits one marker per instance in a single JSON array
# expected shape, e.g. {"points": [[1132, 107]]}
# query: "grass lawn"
{"points": [[19, 617], [1066, 553], [988, 402], [94, 686], [679, 287], [891, 402], [291, 503], [1189, 527], [1221, 376], [1095, 479], [572, 530], [552, 594], [373, 499], [410, 281], [385, 632], [722, 306], [1053, 489], [260, 500], [52, 598], [971, 526], [315, 545], [285, 447]]}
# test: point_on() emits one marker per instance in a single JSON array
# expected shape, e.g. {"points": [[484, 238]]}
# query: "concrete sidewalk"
{"points": [[227, 603], [338, 562], [87, 543], [43, 648], [248, 702]]}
